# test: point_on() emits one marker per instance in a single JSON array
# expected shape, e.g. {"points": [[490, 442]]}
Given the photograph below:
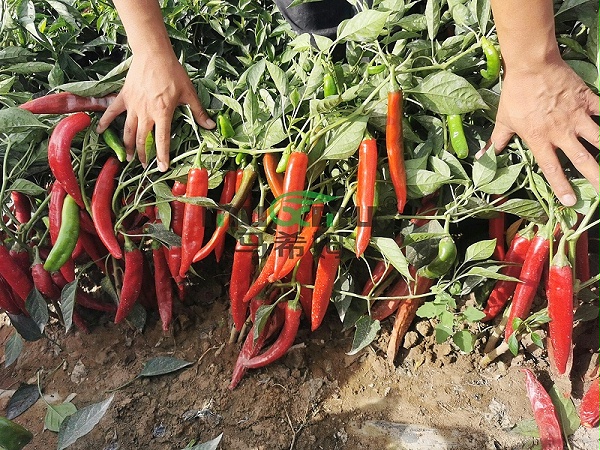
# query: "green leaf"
{"points": [[365, 26], [480, 251], [81, 423], [12, 348], [503, 180], [28, 68], [137, 317], [366, 332], [24, 398], [427, 310], [570, 4], [213, 444], [91, 88], [484, 168], [513, 344], [17, 120], [566, 411], [345, 140], [25, 326], [537, 340], [586, 195], [442, 333], [274, 134], [67, 303], [56, 414], [465, 340], [444, 92], [392, 252], [527, 428], [231, 103], [490, 274], [424, 182], [37, 308], [473, 314], [162, 365], [432, 16], [262, 315], [27, 187], [527, 209], [279, 78]]}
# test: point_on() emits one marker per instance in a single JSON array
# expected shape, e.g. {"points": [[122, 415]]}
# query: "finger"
{"points": [[593, 104], [140, 141], [199, 113], [583, 161], [501, 136], [162, 136], [588, 130], [129, 132], [550, 165], [114, 109]]}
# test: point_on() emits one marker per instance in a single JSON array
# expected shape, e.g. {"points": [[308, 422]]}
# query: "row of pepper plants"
{"points": [[342, 178]]}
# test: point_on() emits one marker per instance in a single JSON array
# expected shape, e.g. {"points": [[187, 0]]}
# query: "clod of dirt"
{"points": [[410, 339], [444, 349], [79, 372], [424, 328]]}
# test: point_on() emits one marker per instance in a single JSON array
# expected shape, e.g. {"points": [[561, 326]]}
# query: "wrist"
{"points": [[532, 58]]}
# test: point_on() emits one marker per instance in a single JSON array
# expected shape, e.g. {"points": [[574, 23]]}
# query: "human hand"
{"points": [[155, 85], [549, 107]]}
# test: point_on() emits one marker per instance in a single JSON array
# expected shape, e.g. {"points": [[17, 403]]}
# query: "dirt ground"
{"points": [[317, 397]]}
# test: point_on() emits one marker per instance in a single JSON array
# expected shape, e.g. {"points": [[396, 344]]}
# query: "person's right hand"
{"points": [[155, 85]]}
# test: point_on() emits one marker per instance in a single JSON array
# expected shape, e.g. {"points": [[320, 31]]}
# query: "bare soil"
{"points": [[317, 397]]}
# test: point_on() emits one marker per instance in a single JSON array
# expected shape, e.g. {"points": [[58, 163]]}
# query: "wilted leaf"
{"points": [[23, 399], [81, 423], [56, 414], [366, 332], [162, 365]]}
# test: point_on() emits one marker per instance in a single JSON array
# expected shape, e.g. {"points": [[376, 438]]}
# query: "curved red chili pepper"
{"points": [[262, 280], [132, 281], [16, 278], [293, 313], [164, 289], [544, 413], [7, 300], [588, 409], [305, 276], [22, 206], [530, 276], [193, 218], [227, 195], [87, 301], [57, 198], [68, 270], [503, 289], [559, 291], [80, 322], [21, 256], [94, 249], [241, 277], [59, 153], [274, 179], [327, 267], [365, 192], [173, 253], [496, 230], [66, 102], [42, 279], [381, 271], [394, 143], [382, 309], [102, 206]]}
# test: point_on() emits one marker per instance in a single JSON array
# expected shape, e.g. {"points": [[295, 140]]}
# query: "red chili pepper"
{"points": [[132, 280], [559, 291], [68, 270], [21, 256], [241, 277], [381, 271], [365, 192], [224, 219], [94, 249], [59, 279], [65, 103], [164, 289], [544, 413], [305, 276], [102, 206], [274, 179], [59, 153], [252, 346], [327, 267], [57, 198], [530, 276], [173, 254], [303, 242], [286, 231], [16, 278], [395, 144], [86, 223], [80, 322], [87, 301], [582, 257], [193, 218], [496, 226], [293, 313], [42, 279], [7, 300], [22, 206], [262, 280], [428, 206], [177, 208], [227, 195], [382, 309], [503, 289], [588, 409]]}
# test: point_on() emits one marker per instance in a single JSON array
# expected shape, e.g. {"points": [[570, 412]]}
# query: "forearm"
{"points": [[144, 25], [526, 32]]}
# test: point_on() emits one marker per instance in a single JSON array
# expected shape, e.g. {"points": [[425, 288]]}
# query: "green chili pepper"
{"points": [[442, 262], [283, 161], [329, 86], [12, 435], [492, 71], [114, 143], [224, 125], [240, 159], [67, 236], [457, 135], [374, 70]]}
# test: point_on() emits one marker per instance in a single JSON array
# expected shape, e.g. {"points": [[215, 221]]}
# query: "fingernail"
{"points": [[129, 157], [144, 165], [210, 123], [162, 166], [568, 200]]}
